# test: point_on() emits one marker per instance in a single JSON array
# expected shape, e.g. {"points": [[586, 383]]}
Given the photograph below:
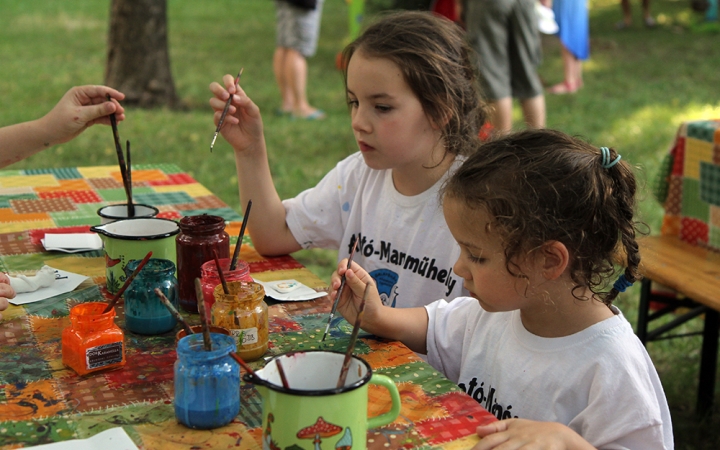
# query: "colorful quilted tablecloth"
{"points": [[689, 185], [41, 401]]}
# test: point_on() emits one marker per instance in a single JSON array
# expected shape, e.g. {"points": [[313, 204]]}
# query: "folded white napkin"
{"points": [[289, 290], [111, 439], [43, 278], [71, 242]]}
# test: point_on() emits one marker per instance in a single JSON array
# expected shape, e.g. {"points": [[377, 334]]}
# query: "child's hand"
{"points": [[356, 278], [529, 434], [242, 127], [80, 108], [6, 292]]}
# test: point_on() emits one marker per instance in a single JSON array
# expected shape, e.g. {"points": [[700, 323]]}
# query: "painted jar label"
{"points": [[104, 355], [249, 335]]}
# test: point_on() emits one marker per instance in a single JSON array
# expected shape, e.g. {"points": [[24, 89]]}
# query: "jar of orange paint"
{"points": [[93, 341]]}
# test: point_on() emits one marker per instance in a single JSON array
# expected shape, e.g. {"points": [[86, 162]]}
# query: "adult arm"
{"points": [[80, 108], [243, 129]]}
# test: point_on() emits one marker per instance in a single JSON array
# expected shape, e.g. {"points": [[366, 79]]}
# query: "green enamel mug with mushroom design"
{"points": [[312, 413]]}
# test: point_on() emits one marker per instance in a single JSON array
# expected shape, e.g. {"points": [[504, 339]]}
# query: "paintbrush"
{"points": [[281, 372], [130, 206], [118, 150], [224, 113], [127, 283], [173, 311], [339, 293], [244, 365], [236, 253], [220, 273], [353, 339], [207, 342]]}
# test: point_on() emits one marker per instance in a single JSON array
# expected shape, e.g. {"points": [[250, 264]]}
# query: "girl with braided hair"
{"points": [[538, 216]]}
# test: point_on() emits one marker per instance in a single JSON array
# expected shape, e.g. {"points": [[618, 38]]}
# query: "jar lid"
{"points": [[240, 291], [201, 223]]}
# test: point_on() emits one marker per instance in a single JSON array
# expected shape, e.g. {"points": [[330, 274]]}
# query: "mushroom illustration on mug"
{"points": [[320, 429]]}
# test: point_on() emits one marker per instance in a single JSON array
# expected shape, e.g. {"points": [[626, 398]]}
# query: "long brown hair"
{"points": [[435, 60], [543, 185]]}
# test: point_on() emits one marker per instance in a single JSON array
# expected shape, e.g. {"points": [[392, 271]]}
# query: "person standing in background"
{"points": [[627, 15], [297, 32], [505, 35], [574, 33]]}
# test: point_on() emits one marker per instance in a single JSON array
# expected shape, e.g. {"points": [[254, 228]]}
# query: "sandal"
{"points": [[565, 88], [282, 113], [622, 25], [318, 114]]}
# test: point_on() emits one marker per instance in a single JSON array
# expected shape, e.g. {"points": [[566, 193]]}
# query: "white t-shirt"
{"points": [[600, 382], [404, 242]]}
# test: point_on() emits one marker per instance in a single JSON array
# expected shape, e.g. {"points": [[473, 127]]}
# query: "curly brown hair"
{"points": [[543, 185], [435, 60]]}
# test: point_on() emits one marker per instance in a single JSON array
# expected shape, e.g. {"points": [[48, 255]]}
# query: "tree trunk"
{"points": [[138, 61]]}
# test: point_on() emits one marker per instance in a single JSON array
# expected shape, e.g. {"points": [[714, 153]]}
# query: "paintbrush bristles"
{"points": [[207, 341], [353, 339]]}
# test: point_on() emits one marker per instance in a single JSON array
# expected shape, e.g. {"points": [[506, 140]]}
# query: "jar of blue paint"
{"points": [[207, 383], [144, 312]]}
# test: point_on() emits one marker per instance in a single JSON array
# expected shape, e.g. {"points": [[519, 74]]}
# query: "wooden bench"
{"points": [[686, 255], [693, 272]]}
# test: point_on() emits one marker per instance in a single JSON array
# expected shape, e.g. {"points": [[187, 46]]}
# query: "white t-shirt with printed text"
{"points": [[599, 381], [404, 242]]}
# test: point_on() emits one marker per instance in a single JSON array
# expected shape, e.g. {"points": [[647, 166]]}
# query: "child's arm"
{"points": [[407, 325], [243, 129], [80, 108], [521, 433], [6, 292]]}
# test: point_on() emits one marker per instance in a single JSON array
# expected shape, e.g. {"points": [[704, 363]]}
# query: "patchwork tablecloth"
{"points": [[41, 401], [689, 185]]}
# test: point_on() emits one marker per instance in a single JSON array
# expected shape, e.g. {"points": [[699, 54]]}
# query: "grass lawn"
{"points": [[639, 85]]}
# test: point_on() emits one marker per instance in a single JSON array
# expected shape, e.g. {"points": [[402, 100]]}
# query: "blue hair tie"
{"points": [[622, 283], [606, 163]]}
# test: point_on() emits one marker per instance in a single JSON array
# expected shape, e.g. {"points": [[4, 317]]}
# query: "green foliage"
{"points": [[639, 85]]}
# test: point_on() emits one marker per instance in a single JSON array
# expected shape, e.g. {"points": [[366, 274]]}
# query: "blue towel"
{"points": [[572, 18]]}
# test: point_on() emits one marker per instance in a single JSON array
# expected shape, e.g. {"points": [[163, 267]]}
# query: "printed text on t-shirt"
{"points": [[423, 266]]}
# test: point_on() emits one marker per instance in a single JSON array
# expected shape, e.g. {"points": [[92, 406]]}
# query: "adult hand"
{"points": [[242, 127], [529, 435], [80, 108], [6, 292]]}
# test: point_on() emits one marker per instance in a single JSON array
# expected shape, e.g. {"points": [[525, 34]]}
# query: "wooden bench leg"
{"points": [[708, 362], [643, 311]]}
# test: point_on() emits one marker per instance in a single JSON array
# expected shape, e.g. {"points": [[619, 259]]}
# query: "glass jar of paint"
{"points": [[93, 341], [200, 238], [144, 312], [210, 278], [207, 383], [244, 312]]}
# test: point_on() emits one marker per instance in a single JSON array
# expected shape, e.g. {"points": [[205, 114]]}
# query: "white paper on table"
{"points": [[71, 242], [112, 439], [60, 286], [298, 294]]}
